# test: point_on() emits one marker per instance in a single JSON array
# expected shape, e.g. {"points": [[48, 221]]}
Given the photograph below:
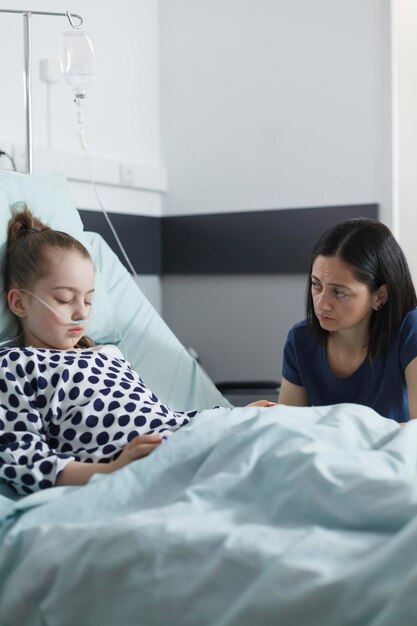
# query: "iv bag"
{"points": [[77, 60]]}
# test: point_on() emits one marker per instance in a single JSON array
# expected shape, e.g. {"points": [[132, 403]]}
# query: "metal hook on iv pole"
{"points": [[27, 70], [70, 16]]}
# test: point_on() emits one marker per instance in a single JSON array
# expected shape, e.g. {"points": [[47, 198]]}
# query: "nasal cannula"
{"points": [[77, 322]]}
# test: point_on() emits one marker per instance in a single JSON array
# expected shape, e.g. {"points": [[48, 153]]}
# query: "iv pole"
{"points": [[27, 71]]}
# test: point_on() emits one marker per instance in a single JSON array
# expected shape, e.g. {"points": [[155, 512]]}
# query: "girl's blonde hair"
{"points": [[27, 258]]}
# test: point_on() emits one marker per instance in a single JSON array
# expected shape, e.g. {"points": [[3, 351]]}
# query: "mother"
{"points": [[359, 340]]}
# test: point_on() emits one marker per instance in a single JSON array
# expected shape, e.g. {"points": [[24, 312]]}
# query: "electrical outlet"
{"points": [[50, 71], [127, 175]]}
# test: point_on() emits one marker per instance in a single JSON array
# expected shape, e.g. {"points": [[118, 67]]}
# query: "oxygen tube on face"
{"points": [[70, 322]]}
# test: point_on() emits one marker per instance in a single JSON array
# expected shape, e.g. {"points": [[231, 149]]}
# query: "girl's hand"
{"points": [[78, 473], [140, 446], [264, 403]]}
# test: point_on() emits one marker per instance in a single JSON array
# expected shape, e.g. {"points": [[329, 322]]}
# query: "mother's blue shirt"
{"points": [[380, 385]]}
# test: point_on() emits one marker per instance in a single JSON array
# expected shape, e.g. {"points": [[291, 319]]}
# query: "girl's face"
{"points": [[68, 290], [340, 301]]}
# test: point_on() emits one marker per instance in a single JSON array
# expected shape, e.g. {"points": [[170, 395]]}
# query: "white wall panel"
{"points": [[269, 104]]}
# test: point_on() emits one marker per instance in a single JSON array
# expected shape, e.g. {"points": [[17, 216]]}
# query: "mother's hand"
{"points": [[265, 403]]}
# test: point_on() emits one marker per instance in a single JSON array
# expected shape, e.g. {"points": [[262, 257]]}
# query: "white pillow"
{"points": [[47, 196]]}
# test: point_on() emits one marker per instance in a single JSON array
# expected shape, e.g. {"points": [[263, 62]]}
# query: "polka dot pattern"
{"points": [[59, 406]]}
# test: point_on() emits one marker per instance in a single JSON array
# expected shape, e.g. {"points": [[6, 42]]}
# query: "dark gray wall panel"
{"points": [[253, 242]]}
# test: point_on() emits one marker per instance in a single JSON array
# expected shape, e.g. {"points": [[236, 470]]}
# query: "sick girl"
{"points": [[68, 409]]}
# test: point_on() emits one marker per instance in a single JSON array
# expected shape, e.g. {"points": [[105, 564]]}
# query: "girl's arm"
{"points": [[411, 380], [78, 473], [292, 395]]}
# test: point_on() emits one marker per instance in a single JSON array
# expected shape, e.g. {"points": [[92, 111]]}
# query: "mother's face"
{"points": [[340, 300]]}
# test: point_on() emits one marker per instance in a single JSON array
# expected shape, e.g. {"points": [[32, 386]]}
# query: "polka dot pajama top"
{"points": [[58, 406]]}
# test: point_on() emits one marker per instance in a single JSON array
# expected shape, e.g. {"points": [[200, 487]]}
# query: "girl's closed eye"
{"points": [[60, 301], [63, 301]]}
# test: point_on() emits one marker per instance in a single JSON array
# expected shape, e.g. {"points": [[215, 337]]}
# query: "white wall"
{"points": [[121, 111], [269, 104], [265, 105], [404, 35]]}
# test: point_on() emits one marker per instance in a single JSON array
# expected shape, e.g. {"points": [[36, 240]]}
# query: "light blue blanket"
{"points": [[245, 517]]}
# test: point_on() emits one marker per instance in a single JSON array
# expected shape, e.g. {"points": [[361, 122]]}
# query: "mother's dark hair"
{"points": [[376, 259]]}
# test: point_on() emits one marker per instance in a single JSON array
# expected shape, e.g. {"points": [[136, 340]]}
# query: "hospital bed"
{"points": [[293, 516]]}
